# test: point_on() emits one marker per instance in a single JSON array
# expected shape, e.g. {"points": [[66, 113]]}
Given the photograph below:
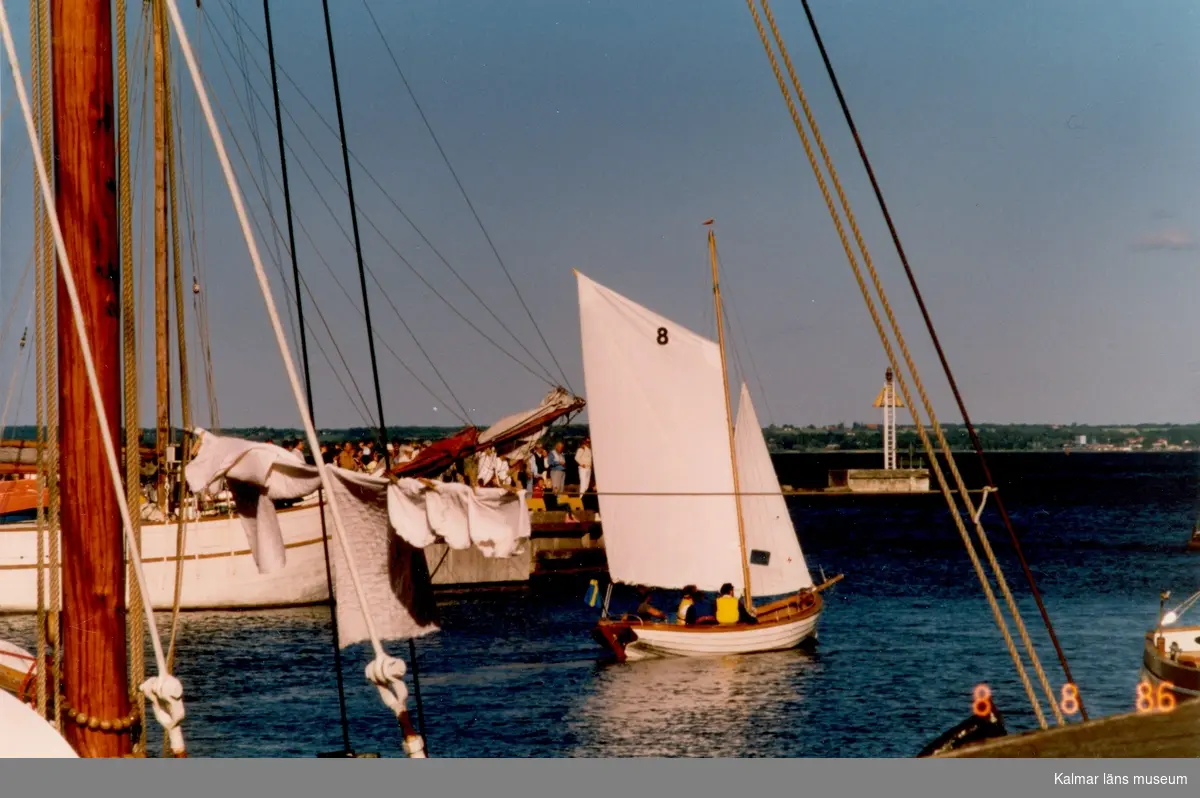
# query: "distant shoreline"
{"points": [[879, 452]]}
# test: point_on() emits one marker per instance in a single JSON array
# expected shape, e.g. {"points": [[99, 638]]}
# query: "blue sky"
{"points": [[1040, 161]]}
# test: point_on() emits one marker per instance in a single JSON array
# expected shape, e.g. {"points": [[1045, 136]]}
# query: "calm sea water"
{"points": [[903, 642]]}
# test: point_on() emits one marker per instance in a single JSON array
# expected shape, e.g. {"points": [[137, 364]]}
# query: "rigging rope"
{"points": [[49, 320], [385, 672], [545, 375], [287, 201], [164, 690], [133, 429], [40, 344], [453, 173], [287, 298], [902, 382], [951, 461], [17, 371], [937, 344], [337, 97], [362, 272], [181, 341]]}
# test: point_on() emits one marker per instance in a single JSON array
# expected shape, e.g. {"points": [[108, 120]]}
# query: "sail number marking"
{"points": [[662, 338]]}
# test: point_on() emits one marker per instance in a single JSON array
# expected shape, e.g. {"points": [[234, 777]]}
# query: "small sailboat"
{"points": [[689, 499]]}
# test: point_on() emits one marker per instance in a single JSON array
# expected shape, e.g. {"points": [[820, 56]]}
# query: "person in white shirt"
{"points": [[298, 450], [583, 459]]}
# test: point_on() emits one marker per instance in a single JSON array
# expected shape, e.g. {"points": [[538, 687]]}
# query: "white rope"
{"points": [[385, 672], [164, 690]]}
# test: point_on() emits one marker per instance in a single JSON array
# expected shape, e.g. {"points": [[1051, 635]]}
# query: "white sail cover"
{"points": [[657, 418], [770, 535], [387, 523]]}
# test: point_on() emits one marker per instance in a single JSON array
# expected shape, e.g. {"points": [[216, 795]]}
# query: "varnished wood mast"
{"points": [[93, 617], [737, 491]]}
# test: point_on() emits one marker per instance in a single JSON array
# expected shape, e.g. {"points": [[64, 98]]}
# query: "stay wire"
{"points": [[453, 173], [544, 375], [287, 201]]}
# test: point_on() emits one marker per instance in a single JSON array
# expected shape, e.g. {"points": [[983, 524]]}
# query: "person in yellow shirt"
{"points": [[727, 606]]}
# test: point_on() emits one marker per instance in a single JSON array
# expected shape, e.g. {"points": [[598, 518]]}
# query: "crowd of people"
{"points": [[536, 469], [363, 456]]}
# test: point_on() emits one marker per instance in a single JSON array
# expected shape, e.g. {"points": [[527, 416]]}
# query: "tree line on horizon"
{"points": [[788, 438]]}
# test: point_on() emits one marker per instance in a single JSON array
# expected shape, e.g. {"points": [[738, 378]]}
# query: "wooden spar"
{"points": [[93, 622], [162, 339], [737, 491]]}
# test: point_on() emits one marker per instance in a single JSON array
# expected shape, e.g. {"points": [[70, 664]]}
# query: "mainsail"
{"points": [[660, 441], [777, 565]]}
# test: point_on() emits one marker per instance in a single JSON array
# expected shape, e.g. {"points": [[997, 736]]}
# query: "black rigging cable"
{"points": [[325, 262], [912, 281], [362, 278], [360, 409], [545, 375], [287, 201], [445, 158]]}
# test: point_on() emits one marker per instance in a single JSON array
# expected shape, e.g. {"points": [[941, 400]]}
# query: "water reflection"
{"points": [[719, 707]]}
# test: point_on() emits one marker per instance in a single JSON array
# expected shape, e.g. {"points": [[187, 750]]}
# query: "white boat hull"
{"points": [[26, 735], [657, 640], [218, 571]]}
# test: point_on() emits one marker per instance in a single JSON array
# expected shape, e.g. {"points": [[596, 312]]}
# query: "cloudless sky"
{"points": [[1040, 160]]}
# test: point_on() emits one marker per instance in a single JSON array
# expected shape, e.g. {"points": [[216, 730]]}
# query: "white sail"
{"points": [[657, 418], [770, 536]]}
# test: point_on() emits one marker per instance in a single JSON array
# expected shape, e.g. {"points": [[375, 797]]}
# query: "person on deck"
{"points": [[538, 466], [346, 458], [727, 606], [686, 614], [583, 459], [556, 463], [647, 609]]}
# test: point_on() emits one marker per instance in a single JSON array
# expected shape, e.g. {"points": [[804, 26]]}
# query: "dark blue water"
{"points": [[904, 639]]}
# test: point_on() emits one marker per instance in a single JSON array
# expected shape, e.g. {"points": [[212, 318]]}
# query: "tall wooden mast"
{"points": [[162, 336], [737, 490], [93, 619]]}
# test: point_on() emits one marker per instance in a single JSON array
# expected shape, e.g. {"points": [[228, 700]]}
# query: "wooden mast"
{"points": [[93, 618], [162, 340], [737, 490]]}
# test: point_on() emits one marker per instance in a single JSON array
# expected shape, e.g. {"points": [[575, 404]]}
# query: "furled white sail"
{"points": [[657, 418], [777, 564], [557, 401]]}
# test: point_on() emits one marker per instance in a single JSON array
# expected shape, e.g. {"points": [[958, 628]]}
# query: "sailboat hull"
{"points": [[218, 570], [1181, 675], [783, 625]]}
